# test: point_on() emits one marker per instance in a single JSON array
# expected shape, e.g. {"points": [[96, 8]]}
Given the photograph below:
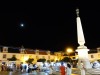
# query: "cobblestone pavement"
{"points": [[17, 73], [74, 71], [11, 73]]}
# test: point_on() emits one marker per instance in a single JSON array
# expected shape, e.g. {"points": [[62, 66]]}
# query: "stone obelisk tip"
{"points": [[77, 12]]}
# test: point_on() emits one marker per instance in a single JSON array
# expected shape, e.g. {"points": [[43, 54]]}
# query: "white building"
{"points": [[94, 54], [24, 54]]}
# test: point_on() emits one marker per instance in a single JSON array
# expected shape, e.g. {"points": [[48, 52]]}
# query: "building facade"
{"points": [[22, 55]]}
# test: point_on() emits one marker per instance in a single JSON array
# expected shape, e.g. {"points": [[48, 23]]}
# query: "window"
{"points": [[4, 55], [5, 49], [92, 56]]}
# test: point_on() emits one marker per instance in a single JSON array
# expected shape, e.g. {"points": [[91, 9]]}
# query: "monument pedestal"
{"points": [[83, 56]]}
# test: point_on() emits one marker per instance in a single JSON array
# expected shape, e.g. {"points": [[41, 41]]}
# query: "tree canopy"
{"points": [[13, 58], [41, 60], [30, 60]]}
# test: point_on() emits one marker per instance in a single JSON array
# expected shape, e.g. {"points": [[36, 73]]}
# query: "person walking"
{"points": [[62, 69]]}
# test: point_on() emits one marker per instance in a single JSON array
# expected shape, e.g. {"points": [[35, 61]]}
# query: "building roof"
{"points": [[29, 51], [92, 51], [13, 50], [42, 52]]}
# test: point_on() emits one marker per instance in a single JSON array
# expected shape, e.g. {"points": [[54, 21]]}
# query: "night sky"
{"points": [[48, 25]]}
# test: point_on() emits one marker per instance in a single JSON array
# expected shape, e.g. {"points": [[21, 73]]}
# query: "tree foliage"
{"points": [[41, 60], [66, 59], [52, 60], [13, 58], [30, 60], [48, 61]]}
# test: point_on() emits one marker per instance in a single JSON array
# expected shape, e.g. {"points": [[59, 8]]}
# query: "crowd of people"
{"points": [[50, 69]]}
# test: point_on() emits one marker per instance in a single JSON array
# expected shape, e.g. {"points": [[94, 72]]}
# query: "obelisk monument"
{"points": [[81, 49]]}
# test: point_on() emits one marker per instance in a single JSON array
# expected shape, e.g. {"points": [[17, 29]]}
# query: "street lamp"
{"points": [[69, 51]]}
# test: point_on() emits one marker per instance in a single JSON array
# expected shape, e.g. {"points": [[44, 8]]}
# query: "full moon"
{"points": [[22, 25]]}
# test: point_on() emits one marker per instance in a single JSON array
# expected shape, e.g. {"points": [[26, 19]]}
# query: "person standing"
{"points": [[50, 70], [62, 69], [82, 68], [69, 69]]}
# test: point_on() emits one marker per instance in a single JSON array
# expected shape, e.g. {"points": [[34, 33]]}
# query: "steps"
{"points": [[87, 71], [93, 71]]}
